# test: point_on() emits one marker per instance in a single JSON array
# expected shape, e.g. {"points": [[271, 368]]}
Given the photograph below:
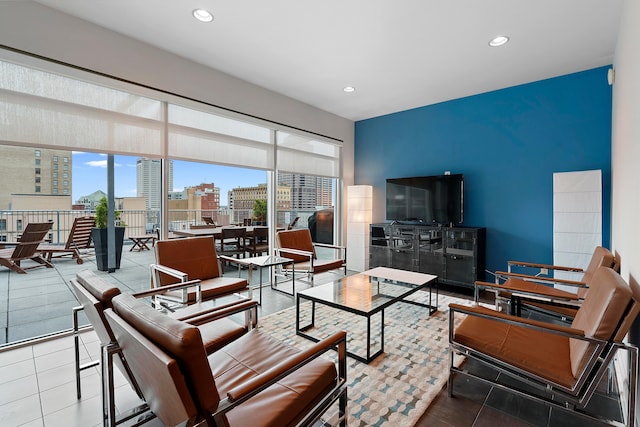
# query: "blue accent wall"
{"points": [[507, 143]]}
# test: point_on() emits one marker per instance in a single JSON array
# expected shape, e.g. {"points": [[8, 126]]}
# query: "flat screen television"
{"points": [[434, 200]]}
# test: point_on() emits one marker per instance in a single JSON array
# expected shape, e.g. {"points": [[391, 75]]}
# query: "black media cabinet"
{"points": [[455, 254]]}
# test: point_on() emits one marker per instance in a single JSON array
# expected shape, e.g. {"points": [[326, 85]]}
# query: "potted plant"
{"points": [[99, 236], [260, 211]]}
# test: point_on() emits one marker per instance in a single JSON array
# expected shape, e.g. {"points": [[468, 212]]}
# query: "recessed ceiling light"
{"points": [[349, 89], [202, 15], [498, 41]]}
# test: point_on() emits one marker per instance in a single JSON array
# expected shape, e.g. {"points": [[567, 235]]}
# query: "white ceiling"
{"points": [[397, 54]]}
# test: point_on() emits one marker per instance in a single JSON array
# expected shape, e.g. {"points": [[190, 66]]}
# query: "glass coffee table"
{"points": [[365, 294]]}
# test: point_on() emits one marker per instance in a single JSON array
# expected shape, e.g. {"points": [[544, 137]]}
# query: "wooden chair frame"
{"points": [[78, 245], [26, 248]]}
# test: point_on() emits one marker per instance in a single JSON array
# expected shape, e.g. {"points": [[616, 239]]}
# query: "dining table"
{"points": [[216, 231]]}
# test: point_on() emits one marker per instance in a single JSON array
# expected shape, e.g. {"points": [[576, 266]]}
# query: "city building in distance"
{"points": [[35, 172]]}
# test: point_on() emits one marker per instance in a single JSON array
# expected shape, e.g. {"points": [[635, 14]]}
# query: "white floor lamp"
{"points": [[359, 217]]}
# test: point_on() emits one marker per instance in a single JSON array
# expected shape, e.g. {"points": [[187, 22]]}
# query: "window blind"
{"points": [[44, 109]]}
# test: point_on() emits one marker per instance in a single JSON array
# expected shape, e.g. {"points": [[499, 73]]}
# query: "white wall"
{"points": [[625, 217]]}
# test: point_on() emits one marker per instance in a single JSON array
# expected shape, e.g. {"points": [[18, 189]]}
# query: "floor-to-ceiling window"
{"points": [[177, 161]]}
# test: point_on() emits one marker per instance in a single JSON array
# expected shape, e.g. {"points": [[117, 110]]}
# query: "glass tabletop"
{"points": [[260, 261], [369, 291]]}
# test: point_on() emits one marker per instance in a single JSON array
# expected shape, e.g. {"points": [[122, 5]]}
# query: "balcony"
{"points": [[39, 303]]}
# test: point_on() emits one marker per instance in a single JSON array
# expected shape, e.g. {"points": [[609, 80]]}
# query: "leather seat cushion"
{"points": [[319, 265], [568, 312], [288, 399], [528, 349], [515, 284], [218, 333], [212, 288], [215, 334]]}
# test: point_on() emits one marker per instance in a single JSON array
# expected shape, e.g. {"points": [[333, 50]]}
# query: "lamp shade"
{"points": [[359, 217]]}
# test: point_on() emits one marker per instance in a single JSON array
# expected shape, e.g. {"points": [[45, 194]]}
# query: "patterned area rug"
{"points": [[397, 387]]}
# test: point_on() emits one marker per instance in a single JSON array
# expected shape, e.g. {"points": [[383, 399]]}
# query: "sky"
{"points": [[90, 174]]}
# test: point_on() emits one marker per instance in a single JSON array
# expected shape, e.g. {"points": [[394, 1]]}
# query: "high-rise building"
{"points": [[149, 183], [307, 192], [34, 171]]}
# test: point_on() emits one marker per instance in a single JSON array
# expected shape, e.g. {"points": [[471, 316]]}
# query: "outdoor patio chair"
{"points": [[555, 364], [293, 223], [232, 241], [297, 245], [26, 248], [78, 244], [254, 381], [539, 293], [208, 220], [95, 295], [257, 243], [180, 260]]}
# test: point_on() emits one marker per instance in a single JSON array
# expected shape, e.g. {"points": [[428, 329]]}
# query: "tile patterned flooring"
{"points": [[37, 381]]}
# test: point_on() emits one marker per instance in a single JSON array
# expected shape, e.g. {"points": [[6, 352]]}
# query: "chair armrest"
{"points": [[538, 292], [287, 366], [295, 251], [222, 311], [195, 283], [326, 245], [342, 250], [229, 259], [159, 268], [156, 269], [497, 316], [548, 280], [547, 266]]}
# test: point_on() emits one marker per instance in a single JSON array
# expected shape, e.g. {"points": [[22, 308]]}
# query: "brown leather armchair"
{"points": [[180, 260], [563, 364], [95, 296], [254, 381], [539, 293], [297, 245]]}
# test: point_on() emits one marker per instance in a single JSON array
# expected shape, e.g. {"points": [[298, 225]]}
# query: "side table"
{"points": [[260, 262]]}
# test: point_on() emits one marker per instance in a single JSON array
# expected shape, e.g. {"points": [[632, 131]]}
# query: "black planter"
{"points": [[99, 236]]}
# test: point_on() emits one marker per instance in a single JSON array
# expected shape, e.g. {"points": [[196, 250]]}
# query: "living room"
{"points": [[507, 143]]}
